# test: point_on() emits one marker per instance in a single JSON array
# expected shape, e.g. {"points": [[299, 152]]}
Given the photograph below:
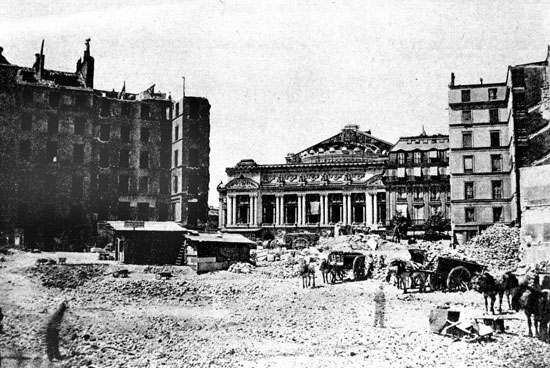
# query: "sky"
{"points": [[282, 75]]}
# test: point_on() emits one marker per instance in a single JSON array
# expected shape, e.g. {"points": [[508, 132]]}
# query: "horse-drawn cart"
{"points": [[339, 263], [454, 274]]}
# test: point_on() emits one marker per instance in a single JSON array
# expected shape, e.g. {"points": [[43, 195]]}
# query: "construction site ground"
{"points": [[227, 319]]}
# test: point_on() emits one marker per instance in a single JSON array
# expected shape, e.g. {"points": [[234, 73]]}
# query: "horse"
{"points": [[491, 286], [405, 270], [307, 271], [534, 303], [325, 269]]}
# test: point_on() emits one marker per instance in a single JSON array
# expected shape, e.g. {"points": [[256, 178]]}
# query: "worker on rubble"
{"points": [[379, 306]]}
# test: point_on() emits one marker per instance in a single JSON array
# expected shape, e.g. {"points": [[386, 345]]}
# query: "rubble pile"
{"points": [[441, 249], [497, 247], [174, 270], [280, 269], [67, 276], [241, 268], [366, 242]]}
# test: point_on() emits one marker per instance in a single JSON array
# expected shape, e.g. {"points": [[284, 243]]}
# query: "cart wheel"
{"points": [[458, 279], [359, 268], [300, 243]]}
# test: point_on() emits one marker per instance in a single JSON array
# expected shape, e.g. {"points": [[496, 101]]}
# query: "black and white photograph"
{"points": [[278, 183]]}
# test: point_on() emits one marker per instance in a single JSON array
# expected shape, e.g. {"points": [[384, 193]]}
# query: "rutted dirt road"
{"points": [[239, 320]]}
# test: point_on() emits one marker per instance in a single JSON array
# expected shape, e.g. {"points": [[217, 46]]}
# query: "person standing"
{"points": [[52, 333], [379, 306]]}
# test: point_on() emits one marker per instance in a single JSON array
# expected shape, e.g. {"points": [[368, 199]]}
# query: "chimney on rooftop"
{"points": [[481, 80], [85, 66], [452, 79]]}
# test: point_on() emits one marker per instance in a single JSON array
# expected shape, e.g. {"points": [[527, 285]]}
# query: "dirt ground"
{"points": [[225, 319]]}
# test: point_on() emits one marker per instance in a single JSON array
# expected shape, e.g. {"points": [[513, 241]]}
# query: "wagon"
{"points": [[454, 274], [301, 240], [341, 262]]}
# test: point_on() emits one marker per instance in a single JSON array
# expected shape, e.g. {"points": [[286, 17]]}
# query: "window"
{"points": [[125, 133], [497, 214], [104, 156], [469, 214], [25, 149], [493, 116], [28, 96], [102, 210], [53, 124], [175, 184], [145, 111], [124, 211], [467, 116], [468, 164], [124, 158], [492, 94], [434, 194], [468, 190], [496, 163], [78, 153], [77, 189], [54, 99], [105, 132], [144, 160], [192, 213], [26, 122], [467, 139], [417, 194], [193, 157], [143, 211], [495, 138], [50, 185], [144, 184], [401, 158], [176, 158], [401, 194], [103, 183], [466, 95], [177, 110], [519, 100], [144, 135], [126, 110], [417, 157], [497, 189], [176, 133], [51, 151], [79, 126], [105, 108], [123, 184]]}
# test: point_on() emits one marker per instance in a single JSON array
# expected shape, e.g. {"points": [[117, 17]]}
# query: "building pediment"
{"points": [[375, 181], [242, 183]]}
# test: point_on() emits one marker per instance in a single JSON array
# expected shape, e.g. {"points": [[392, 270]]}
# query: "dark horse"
{"points": [[491, 286], [534, 303], [405, 270], [307, 272], [330, 272]]}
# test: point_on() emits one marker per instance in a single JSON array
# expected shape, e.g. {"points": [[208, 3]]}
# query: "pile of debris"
{"points": [[67, 276], [280, 269], [241, 268], [366, 242], [497, 247], [441, 249]]}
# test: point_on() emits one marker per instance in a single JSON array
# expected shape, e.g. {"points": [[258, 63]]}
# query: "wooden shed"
{"points": [[147, 242], [212, 252]]}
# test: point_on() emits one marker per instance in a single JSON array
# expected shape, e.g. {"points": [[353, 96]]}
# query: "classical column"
{"points": [[251, 209], [350, 210], [277, 209], [375, 209], [228, 211], [327, 217], [304, 210], [234, 210], [321, 209], [368, 208], [299, 210], [221, 217]]}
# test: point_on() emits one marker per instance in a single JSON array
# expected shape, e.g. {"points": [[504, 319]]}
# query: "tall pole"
{"points": [[183, 86]]}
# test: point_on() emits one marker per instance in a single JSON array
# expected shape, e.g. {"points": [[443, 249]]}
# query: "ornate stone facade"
{"points": [[335, 181]]}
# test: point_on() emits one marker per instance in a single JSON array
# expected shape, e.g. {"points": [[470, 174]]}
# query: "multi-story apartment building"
{"points": [[417, 178], [481, 159], [72, 156], [190, 161]]}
